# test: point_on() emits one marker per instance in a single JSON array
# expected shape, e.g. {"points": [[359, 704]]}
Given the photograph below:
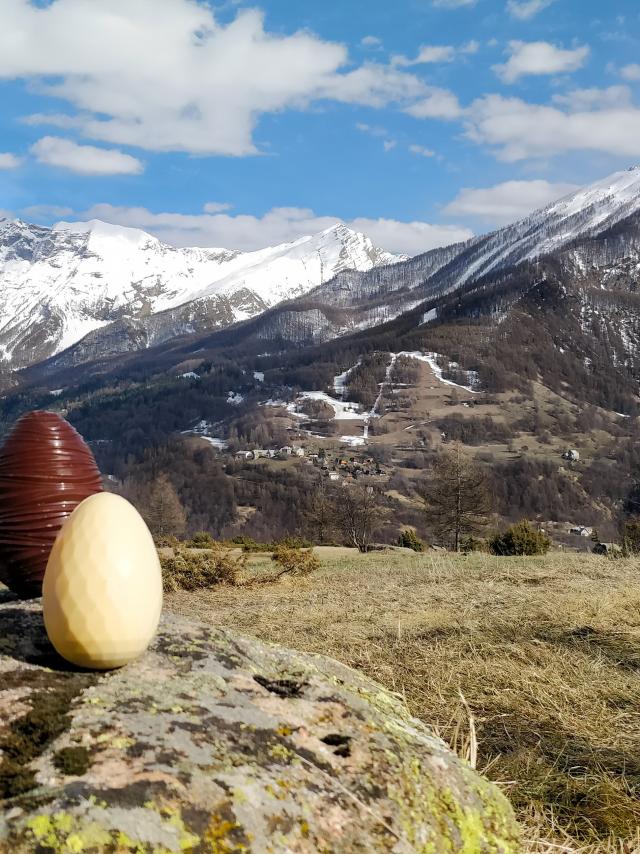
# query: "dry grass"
{"points": [[533, 664]]}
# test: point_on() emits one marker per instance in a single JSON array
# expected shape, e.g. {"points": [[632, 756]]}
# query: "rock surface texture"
{"points": [[213, 742]]}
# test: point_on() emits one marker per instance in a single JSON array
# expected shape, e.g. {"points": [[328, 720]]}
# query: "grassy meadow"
{"points": [[528, 667]]}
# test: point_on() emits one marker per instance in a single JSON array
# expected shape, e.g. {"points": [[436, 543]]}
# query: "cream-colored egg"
{"points": [[102, 590]]}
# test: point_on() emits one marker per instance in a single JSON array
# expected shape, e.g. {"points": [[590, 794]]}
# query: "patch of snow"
{"points": [[429, 316], [430, 359], [258, 376], [374, 409], [340, 381], [190, 375], [353, 441], [202, 430], [220, 444], [56, 392], [235, 398], [290, 407], [343, 410]]}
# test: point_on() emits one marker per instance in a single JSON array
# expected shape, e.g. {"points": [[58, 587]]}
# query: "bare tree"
{"points": [[163, 510], [456, 496], [358, 514], [321, 515]]}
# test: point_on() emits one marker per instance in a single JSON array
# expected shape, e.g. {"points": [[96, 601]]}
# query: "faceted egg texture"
{"points": [[102, 591], [46, 470]]}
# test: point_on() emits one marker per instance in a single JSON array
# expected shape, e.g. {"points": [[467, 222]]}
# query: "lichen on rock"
{"points": [[214, 742]]}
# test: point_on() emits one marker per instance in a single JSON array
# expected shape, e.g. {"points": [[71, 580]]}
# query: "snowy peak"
{"points": [[58, 284], [580, 215], [293, 269], [618, 192]]}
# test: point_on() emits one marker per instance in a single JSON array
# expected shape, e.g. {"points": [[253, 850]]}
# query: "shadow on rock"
{"points": [[7, 596], [24, 638]]}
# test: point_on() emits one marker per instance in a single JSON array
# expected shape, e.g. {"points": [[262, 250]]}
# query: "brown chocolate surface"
{"points": [[46, 470]]}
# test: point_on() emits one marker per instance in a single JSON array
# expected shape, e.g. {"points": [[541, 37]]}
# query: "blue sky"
{"points": [[244, 125]]}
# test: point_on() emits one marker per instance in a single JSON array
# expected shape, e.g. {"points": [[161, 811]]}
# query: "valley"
{"points": [[320, 427], [520, 359]]}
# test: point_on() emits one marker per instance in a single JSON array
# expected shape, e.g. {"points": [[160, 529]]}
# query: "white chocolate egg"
{"points": [[102, 589]]}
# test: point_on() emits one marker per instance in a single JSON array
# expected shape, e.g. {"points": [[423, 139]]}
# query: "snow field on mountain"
{"points": [[431, 360], [74, 278]]}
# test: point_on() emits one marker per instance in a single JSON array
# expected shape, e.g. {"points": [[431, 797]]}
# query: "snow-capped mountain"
{"points": [[94, 290], [60, 284], [568, 227], [579, 216]]}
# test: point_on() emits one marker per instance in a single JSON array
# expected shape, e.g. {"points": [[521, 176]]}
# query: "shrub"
{"points": [[474, 544], [166, 541], [250, 545], [520, 539], [296, 562], [202, 540], [408, 539], [295, 543], [631, 536], [610, 550], [187, 570]]}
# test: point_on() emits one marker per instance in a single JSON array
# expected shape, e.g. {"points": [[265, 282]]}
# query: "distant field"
{"points": [[546, 652]]}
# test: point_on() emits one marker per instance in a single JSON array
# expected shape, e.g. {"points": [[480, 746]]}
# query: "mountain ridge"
{"points": [[346, 284], [61, 283]]}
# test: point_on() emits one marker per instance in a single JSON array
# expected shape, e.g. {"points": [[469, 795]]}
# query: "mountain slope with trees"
{"points": [[540, 355]]}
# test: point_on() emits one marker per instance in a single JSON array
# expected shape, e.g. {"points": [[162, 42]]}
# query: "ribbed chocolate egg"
{"points": [[46, 470]]}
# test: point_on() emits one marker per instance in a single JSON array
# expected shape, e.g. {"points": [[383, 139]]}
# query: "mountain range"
{"points": [[89, 297], [126, 290], [86, 291], [521, 343]]}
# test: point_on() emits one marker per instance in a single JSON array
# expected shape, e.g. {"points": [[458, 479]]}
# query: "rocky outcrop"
{"points": [[213, 742]]}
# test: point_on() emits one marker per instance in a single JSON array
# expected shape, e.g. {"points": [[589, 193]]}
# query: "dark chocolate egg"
{"points": [[46, 470]]}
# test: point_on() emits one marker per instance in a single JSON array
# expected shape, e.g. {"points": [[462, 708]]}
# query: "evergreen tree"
{"points": [[456, 497]]}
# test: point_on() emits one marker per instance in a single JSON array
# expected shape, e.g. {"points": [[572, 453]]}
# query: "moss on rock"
{"points": [[216, 743]]}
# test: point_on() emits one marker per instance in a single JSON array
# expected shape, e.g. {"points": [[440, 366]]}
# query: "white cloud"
{"points": [[279, 225], [436, 53], [421, 151], [439, 104], [84, 159], [453, 4], [410, 238], [373, 130], [427, 54], [46, 211], [518, 130], [167, 76], [371, 41], [578, 100], [537, 58], [373, 85], [527, 9], [9, 161], [507, 202], [216, 207], [389, 144], [631, 72]]}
